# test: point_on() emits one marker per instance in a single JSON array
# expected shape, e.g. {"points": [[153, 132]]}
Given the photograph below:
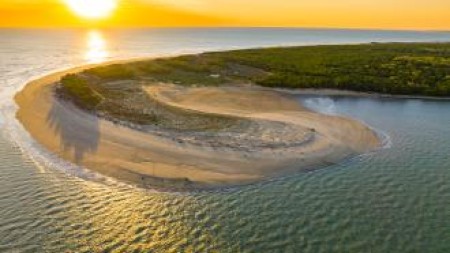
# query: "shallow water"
{"points": [[393, 200]]}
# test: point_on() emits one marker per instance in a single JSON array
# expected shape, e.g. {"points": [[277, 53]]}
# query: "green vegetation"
{"points": [[79, 90], [408, 69], [112, 72], [395, 68]]}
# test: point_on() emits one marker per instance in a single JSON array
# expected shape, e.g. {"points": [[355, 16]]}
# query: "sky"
{"points": [[373, 14]]}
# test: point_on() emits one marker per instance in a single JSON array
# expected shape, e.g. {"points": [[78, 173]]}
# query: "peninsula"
{"points": [[214, 120]]}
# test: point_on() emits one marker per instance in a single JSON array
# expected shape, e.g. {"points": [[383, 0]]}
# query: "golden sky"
{"points": [[384, 14]]}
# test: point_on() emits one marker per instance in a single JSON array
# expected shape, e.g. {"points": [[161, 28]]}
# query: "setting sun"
{"points": [[92, 9]]}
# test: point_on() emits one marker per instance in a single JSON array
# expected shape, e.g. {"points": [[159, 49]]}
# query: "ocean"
{"points": [[396, 199]]}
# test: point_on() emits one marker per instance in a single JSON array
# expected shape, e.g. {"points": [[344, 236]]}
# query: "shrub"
{"points": [[78, 89]]}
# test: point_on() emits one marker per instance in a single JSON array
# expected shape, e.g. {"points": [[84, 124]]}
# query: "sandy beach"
{"points": [[279, 137]]}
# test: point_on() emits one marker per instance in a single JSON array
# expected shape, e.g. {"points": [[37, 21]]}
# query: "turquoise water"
{"points": [[394, 200]]}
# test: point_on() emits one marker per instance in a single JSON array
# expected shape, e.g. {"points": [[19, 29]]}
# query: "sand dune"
{"points": [[280, 137]]}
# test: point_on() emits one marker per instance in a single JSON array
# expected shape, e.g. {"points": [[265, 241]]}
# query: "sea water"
{"points": [[394, 200]]}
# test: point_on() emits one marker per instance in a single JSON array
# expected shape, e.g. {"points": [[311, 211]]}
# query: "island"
{"points": [[221, 119]]}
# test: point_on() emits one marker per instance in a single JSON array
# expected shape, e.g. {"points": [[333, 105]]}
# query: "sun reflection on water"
{"points": [[96, 47]]}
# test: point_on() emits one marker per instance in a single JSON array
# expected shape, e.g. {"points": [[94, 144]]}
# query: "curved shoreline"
{"points": [[150, 161]]}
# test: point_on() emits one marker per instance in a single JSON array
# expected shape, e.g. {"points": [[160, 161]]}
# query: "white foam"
{"points": [[327, 105], [323, 105]]}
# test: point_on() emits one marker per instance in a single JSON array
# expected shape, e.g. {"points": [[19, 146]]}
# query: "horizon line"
{"points": [[225, 27]]}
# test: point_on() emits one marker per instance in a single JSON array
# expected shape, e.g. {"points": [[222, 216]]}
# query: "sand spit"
{"points": [[278, 137]]}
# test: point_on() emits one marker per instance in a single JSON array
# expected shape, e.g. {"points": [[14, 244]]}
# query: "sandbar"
{"points": [[280, 137]]}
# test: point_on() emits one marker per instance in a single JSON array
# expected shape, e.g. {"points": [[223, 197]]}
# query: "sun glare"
{"points": [[92, 9], [96, 47]]}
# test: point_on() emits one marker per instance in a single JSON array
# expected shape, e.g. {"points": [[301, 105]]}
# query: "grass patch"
{"points": [[79, 90]]}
